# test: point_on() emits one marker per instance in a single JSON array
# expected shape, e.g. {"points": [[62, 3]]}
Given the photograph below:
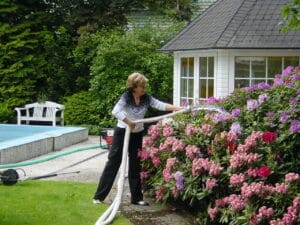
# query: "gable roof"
{"points": [[232, 24]]}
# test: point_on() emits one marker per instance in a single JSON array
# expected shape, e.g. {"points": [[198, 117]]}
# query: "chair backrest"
{"points": [[44, 109], [38, 111]]}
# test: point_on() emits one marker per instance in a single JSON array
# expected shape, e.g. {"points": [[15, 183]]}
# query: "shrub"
{"points": [[240, 167], [80, 109]]}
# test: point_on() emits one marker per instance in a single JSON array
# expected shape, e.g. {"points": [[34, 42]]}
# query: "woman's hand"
{"points": [[129, 123]]}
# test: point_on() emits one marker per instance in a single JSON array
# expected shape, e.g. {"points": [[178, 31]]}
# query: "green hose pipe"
{"points": [[47, 158]]}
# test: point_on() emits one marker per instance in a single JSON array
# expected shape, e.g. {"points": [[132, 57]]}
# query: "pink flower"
{"points": [[215, 169], [175, 192], [212, 212], [191, 129], [252, 172], [167, 175], [290, 177], [143, 154], [167, 130], [237, 179], [159, 194], [144, 174], [156, 161], [210, 183], [153, 131], [192, 151], [206, 128], [178, 145]]}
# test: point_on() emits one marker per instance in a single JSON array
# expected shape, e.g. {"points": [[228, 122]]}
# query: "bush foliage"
{"points": [[237, 167], [119, 54]]}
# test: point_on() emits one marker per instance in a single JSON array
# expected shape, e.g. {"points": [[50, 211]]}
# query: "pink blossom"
{"points": [[281, 188], [210, 183], [191, 129], [163, 146], [237, 179], [167, 130], [144, 174], [252, 172], [175, 192], [290, 177], [263, 213], [148, 141], [212, 212], [159, 194], [171, 162], [170, 140], [206, 128], [156, 161], [200, 165], [178, 145], [143, 154], [153, 131], [153, 151], [192, 151], [240, 159], [215, 169], [167, 175], [236, 202]]}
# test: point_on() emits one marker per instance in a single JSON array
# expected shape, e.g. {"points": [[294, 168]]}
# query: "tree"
{"points": [[291, 16], [22, 55], [119, 54]]}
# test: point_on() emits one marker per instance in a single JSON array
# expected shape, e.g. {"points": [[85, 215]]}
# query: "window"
{"points": [[253, 70], [196, 78], [187, 80], [206, 77]]}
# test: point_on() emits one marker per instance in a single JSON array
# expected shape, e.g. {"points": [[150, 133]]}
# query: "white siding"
{"points": [[222, 74], [224, 68]]}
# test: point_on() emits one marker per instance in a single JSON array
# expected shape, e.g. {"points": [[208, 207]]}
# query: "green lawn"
{"points": [[51, 203]]}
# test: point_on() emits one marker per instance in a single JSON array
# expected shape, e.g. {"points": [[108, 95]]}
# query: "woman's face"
{"points": [[140, 90]]}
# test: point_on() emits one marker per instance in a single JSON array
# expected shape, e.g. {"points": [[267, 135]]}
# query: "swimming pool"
{"points": [[22, 142]]}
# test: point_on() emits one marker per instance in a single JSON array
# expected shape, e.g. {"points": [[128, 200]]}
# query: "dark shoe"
{"points": [[141, 203]]}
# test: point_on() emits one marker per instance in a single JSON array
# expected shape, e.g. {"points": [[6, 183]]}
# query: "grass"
{"points": [[51, 203]]}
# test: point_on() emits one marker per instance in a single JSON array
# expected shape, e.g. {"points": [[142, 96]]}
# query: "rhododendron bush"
{"points": [[239, 167]]}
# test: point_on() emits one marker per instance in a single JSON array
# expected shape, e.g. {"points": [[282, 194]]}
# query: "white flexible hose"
{"points": [[109, 214]]}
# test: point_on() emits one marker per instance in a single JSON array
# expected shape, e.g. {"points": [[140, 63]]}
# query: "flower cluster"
{"points": [[241, 166]]}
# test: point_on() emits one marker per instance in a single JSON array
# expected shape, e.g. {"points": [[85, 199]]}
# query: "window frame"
{"points": [[195, 99]]}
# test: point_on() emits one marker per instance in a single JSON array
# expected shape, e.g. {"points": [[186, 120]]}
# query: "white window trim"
{"points": [[176, 76], [254, 53]]}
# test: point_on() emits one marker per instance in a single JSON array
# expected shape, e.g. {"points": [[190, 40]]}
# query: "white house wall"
{"points": [[224, 67]]}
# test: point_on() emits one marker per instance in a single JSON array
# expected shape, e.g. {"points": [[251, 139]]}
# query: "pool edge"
{"points": [[43, 144]]}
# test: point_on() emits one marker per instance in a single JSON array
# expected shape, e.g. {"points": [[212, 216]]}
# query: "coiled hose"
{"points": [[110, 213]]}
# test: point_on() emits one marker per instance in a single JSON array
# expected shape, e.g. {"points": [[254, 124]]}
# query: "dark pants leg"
{"points": [[113, 164], [135, 144]]}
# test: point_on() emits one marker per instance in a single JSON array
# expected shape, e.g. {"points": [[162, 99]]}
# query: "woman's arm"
{"points": [[170, 107]]}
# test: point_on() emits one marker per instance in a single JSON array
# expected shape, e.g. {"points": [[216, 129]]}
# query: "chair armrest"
{"points": [[18, 109]]}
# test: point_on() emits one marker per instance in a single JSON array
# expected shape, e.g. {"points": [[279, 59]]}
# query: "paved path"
{"points": [[90, 171]]}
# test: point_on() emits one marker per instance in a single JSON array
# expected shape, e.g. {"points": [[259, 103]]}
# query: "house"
{"points": [[232, 44]]}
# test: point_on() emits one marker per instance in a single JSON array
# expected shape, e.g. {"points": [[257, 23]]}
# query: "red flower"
{"points": [[263, 171], [269, 136]]}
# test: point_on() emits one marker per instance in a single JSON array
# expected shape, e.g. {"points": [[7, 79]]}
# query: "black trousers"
{"points": [[113, 164]]}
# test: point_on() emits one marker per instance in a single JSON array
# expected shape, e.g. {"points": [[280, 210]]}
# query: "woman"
{"points": [[132, 106]]}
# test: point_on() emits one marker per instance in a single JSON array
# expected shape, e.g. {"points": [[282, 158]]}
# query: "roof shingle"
{"points": [[234, 24]]}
